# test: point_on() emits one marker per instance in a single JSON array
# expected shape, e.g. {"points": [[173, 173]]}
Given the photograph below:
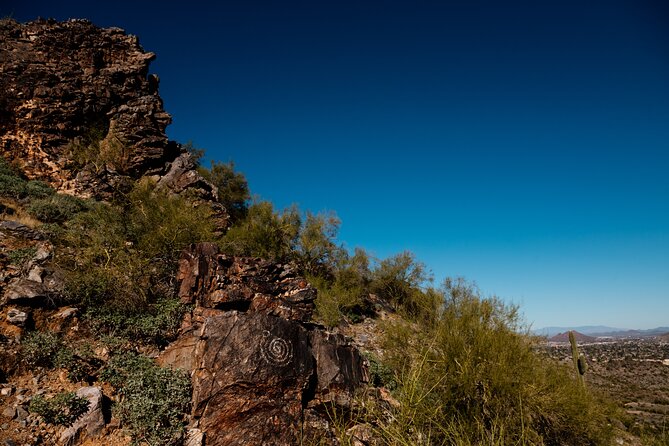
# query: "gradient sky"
{"points": [[522, 145]]}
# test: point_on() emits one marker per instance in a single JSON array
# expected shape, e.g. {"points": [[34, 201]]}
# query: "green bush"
{"points": [[398, 279], [16, 187], [81, 363], [264, 233], [335, 301], [158, 323], [63, 409], [121, 259], [41, 349], [57, 208], [38, 189], [232, 188], [154, 400], [380, 375], [99, 148], [12, 185], [21, 256], [472, 377]]}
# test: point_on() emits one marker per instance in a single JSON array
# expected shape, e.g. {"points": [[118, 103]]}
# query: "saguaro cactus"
{"points": [[580, 364]]}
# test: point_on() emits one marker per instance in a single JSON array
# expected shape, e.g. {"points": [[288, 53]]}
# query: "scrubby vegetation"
{"points": [[471, 376], [121, 258], [62, 409], [153, 399], [99, 148], [14, 186], [462, 365]]}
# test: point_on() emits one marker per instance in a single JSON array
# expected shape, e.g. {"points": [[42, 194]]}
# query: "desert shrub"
{"points": [[41, 349], [335, 301], [99, 148], [80, 363], [21, 256], [158, 323], [56, 208], [153, 401], [264, 233], [123, 257], [399, 278], [233, 190], [13, 185], [63, 409], [316, 251], [44, 349], [380, 375], [651, 437], [160, 226], [52, 231], [472, 377], [38, 189]]}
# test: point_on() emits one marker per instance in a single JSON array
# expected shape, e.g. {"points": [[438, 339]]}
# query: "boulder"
{"points": [[91, 423], [215, 280], [80, 111], [253, 373], [17, 317], [25, 291], [262, 372]]}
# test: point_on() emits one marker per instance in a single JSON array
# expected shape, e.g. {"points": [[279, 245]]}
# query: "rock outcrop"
{"points": [[80, 110], [262, 374]]}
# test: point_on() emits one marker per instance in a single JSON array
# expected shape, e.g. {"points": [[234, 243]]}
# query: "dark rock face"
{"points": [[262, 374], [79, 110], [215, 280], [249, 383], [63, 80]]}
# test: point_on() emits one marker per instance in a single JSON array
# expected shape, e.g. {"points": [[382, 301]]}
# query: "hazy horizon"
{"points": [[521, 145]]}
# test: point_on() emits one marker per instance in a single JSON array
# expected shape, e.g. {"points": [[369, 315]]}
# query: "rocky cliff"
{"points": [[80, 110]]}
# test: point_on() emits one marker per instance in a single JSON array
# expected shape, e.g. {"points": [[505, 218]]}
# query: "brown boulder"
{"points": [[262, 373], [252, 376], [214, 280]]}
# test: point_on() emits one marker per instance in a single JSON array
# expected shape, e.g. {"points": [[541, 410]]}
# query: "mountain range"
{"points": [[601, 330]]}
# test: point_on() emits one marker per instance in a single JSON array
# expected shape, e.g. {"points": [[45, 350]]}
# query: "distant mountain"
{"points": [[602, 331], [564, 337], [585, 329], [636, 333]]}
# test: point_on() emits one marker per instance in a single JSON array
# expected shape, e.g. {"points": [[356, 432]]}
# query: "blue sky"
{"points": [[523, 145]]}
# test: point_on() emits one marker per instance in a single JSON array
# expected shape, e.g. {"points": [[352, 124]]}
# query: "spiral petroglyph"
{"points": [[274, 350]]}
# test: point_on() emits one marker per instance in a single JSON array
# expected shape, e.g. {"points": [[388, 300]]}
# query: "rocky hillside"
{"points": [[81, 115], [80, 110], [139, 304]]}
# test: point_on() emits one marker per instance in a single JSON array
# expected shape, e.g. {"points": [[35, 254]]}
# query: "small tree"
{"points": [[233, 190], [317, 253], [399, 277], [264, 233]]}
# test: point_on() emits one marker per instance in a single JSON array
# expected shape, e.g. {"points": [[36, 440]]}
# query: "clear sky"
{"points": [[522, 145]]}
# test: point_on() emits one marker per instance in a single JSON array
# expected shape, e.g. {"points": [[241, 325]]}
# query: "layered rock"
{"points": [[262, 374], [61, 81], [80, 110]]}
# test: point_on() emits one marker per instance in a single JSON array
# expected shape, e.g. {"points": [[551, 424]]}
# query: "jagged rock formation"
{"points": [[80, 110], [262, 374]]}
